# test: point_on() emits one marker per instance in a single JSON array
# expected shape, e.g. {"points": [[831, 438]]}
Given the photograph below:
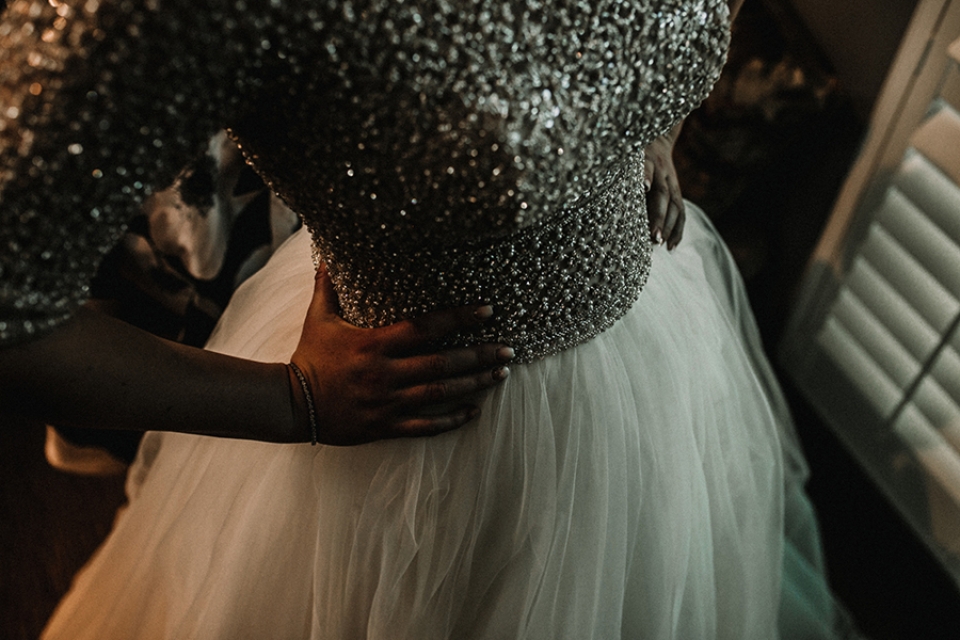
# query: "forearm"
{"points": [[95, 371], [674, 133]]}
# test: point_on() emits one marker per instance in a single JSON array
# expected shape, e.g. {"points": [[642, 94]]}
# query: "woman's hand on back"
{"points": [[389, 382], [665, 208]]}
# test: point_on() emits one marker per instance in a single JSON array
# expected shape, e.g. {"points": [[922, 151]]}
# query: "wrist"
{"points": [[674, 133], [303, 405]]}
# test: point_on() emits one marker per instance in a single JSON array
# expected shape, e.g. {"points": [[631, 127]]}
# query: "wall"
{"points": [[860, 37]]}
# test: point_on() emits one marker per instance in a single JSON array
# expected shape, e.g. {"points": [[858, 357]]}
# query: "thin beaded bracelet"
{"points": [[311, 410]]}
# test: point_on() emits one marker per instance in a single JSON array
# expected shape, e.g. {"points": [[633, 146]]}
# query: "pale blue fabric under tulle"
{"points": [[636, 486]]}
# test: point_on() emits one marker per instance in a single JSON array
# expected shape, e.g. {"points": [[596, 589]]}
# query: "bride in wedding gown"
{"points": [[637, 476]]}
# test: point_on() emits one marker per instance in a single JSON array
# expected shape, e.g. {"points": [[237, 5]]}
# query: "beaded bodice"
{"points": [[441, 151]]}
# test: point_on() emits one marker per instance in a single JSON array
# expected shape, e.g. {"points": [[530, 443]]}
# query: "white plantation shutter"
{"points": [[874, 342]]}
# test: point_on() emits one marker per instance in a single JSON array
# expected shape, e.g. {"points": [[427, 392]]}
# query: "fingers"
{"points": [[414, 426], [324, 302], [675, 216], [451, 363], [417, 395], [427, 395], [423, 410], [676, 233], [658, 203], [665, 208], [410, 426], [412, 335]]}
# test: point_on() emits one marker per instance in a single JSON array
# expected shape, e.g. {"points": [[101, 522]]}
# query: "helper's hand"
{"points": [[373, 384], [664, 202]]}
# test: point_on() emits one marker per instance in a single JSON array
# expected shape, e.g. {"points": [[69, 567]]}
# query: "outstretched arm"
{"points": [[367, 384], [100, 102]]}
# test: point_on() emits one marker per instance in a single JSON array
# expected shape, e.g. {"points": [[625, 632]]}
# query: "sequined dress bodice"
{"points": [[441, 152]]}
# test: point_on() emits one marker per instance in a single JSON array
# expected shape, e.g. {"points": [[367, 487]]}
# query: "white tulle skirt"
{"points": [[636, 486]]}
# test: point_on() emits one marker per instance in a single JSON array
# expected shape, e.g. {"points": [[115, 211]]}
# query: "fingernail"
{"points": [[505, 354], [501, 373], [483, 313], [658, 237], [647, 184]]}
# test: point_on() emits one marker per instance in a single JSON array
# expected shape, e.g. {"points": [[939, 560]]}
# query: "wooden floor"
{"points": [[50, 523]]}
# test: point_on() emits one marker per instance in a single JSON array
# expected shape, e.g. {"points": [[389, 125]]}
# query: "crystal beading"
{"points": [[441, 152], [554, 284]]}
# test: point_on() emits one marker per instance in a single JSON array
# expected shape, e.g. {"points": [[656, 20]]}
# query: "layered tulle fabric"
{"points": [[633, 486]]}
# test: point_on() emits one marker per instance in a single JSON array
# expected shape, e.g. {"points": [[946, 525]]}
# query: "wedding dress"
{"points": [[635, 477]]}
